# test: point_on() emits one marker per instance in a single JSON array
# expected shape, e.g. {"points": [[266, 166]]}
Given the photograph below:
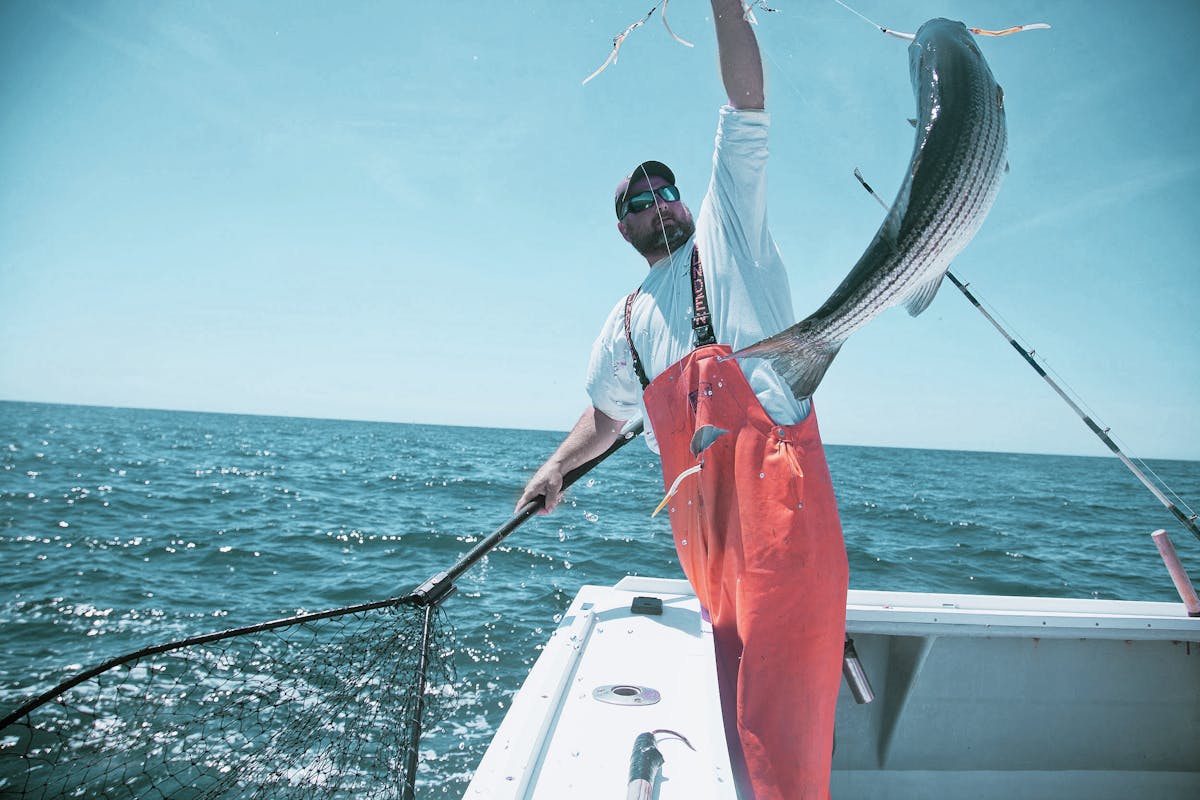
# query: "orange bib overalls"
{"points": [[758, 535]]}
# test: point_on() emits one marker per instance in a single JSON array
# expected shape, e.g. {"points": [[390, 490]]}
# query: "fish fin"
{"points": [[913, 121], [799, 360], [889, 232], [704, 437], [923, 295]]}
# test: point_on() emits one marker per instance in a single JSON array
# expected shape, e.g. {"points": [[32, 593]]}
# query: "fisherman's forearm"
{"points": [[592, 435], [741, 62]]}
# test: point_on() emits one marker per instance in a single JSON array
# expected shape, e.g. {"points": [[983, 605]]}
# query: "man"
{"points": [[753, 514]]}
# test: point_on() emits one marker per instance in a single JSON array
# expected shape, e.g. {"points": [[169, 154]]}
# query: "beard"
{"points": [[666, 231]]}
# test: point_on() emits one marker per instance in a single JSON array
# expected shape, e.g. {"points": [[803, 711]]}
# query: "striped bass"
{"points": [[952, 180]]}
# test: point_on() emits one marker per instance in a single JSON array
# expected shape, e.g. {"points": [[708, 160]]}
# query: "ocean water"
{"points": [[124, 528]]}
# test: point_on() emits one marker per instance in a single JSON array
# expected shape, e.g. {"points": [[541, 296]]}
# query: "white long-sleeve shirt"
{"points": [[747, 286]]}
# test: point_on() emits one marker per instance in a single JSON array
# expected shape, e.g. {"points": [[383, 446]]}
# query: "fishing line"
{"points": [[748, 9], [875, 24], [977, 31]]}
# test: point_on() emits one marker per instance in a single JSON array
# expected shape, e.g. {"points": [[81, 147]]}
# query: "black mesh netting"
{"points": [[315, 709]]}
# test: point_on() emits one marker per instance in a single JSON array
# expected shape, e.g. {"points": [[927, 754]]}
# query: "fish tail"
{"points": [[798, 359]]}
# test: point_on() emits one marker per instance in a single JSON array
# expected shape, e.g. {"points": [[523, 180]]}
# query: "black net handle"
{"points": [[439, 586]]}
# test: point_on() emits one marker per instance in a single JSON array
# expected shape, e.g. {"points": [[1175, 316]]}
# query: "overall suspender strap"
{"points": [[637, 361], [701, 318]]}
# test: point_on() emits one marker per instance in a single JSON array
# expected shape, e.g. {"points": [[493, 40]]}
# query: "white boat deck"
{"points": [[976, 696], [558, 741]]}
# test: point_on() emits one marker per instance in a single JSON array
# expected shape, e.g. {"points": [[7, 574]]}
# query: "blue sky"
{"points": [[402, 211]]}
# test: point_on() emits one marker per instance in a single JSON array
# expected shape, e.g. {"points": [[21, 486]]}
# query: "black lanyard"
{"points": [[701, 318]]}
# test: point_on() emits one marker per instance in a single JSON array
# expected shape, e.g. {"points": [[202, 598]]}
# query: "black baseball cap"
{"points": [[642, 170]]}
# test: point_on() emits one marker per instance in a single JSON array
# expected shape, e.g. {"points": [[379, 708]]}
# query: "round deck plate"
{"points": [[624, 694]]}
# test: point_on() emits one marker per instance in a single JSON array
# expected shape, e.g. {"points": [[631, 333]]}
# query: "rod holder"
{"points": [[1183, 584], [645, 767], [856, 676]]}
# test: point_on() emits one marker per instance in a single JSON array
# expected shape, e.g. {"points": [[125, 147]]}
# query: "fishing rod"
{"points": [[1187, 520]]}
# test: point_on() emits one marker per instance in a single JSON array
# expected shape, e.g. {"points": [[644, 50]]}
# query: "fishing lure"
{"points": [[748, 12], [617, 42], [912, 36]]}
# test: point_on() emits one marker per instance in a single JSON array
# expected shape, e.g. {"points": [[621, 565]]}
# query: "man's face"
{"points": [[663, 226]]}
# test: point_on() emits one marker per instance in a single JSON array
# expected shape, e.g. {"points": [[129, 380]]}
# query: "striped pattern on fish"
{"points": [[957, 164]]}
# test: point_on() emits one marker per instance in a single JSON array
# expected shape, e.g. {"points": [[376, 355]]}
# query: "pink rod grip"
{"points": [[1183, 583]]}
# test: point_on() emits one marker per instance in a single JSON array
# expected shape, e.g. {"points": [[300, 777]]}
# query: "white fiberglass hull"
{"points": [[975, 696]]}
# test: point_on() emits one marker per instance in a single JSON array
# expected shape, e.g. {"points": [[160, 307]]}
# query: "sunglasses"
{"points": [[643, 200]]}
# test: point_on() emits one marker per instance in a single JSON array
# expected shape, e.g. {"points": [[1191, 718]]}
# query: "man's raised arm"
{"points": [[741, 62]]}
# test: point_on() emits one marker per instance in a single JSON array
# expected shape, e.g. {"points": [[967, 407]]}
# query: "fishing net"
{"points": [[321, 706], [327, 705]]}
